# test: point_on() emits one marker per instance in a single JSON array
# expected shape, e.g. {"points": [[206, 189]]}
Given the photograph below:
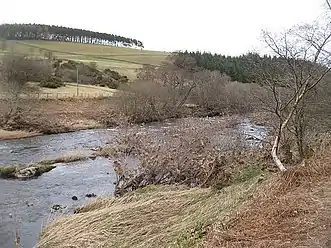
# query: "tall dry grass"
{"points": [[156, 216], [292, 210]]}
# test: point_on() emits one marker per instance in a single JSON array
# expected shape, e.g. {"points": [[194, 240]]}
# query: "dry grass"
{"points": [[68, 91], [8, 135], [155, 216], [292, 210], [69, 158]]}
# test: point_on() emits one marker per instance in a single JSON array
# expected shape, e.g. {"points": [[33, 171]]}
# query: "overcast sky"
{"points": [[222, 26]]}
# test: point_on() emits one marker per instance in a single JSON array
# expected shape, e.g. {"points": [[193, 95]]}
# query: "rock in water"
{"points": [[57, 207], [26, 173], [75, 198], [90, 195]]}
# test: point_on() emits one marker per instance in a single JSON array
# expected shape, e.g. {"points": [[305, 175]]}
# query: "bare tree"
{"points": [[160, 92], [328, 3], [15, 72], [302, 61]]}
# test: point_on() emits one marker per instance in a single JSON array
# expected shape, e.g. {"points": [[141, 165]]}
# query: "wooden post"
{"points": [[77, 81]]}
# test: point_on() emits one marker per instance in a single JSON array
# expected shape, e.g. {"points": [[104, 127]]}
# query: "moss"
{"points": [[191, 238], [148, 188], [7, 171], [248, 173]]}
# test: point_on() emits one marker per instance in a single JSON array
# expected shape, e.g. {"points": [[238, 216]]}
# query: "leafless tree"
{"points": [[328, 3], [301, 63], [15, 72], [159, 92]]}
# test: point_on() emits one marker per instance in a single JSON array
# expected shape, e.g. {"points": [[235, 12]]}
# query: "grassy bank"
{"points": [[291, 209], [164, 216]]}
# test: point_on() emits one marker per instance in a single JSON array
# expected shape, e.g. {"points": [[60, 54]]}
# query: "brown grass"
{"points": [[9, 135], [155, 216], [292, 210], [69, 158]]}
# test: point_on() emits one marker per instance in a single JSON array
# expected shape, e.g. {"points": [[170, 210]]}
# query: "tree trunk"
{"points": [[274, 155]]}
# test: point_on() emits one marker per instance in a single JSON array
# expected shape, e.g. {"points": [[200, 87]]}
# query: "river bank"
{"points": [[18, 134], [60, 185], [38, 117], [281, 210]]}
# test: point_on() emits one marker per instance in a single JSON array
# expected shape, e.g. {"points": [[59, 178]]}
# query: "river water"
{"points": [[26, 206]]}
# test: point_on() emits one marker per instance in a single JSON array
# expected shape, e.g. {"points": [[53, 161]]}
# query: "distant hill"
{"points": [[65, 34], [122, 59]]}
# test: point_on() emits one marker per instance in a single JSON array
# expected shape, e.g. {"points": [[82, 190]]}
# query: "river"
{"points": [[26, 206]]}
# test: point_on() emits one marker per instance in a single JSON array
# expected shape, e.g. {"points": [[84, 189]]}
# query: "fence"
{"points": [[61, 95]]}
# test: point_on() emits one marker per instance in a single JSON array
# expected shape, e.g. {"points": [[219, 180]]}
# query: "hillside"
{"points": [[124, 60]]}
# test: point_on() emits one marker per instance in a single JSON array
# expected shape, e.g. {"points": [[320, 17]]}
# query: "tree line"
{"points": [[65, 34], [239, 68]]}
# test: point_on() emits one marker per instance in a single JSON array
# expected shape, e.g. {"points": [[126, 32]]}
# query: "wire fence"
{"points": [[60, 95]]}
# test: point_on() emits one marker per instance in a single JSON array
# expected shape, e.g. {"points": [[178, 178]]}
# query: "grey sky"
{"points": [[223, 26]]}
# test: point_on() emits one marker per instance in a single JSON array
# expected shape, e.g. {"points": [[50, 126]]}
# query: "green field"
{"points": [[124, 60]]}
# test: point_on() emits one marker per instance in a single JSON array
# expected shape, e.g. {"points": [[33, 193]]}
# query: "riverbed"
{"points": [[27, 206]]}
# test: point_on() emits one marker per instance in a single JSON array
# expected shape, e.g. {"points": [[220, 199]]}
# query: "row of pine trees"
{"points": [[239, 68], [59, 33]]}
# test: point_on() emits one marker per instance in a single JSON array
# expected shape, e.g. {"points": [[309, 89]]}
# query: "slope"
{"points": [[124, 60]]}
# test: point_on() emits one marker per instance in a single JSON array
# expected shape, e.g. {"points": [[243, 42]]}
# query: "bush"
{"points": [[146, 101], [51, 85]]}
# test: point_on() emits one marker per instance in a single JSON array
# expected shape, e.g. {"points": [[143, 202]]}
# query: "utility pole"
{"points": [[77, 81]]}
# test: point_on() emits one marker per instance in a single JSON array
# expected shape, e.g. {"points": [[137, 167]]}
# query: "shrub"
{"points": [[52, 85]]}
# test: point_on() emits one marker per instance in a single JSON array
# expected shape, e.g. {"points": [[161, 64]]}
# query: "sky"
{"points": [[228, 27]]}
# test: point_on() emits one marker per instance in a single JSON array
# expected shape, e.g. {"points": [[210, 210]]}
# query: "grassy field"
{"points": [[124, 60], [33, 91], [70, 89]]}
